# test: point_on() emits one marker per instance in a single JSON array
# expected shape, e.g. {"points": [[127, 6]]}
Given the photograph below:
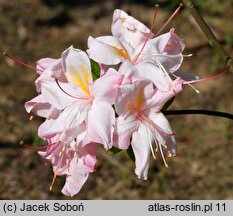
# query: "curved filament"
{"points": [[169, 20]]}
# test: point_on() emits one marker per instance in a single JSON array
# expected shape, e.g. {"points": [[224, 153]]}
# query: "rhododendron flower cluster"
{"points": [[111, 95]]}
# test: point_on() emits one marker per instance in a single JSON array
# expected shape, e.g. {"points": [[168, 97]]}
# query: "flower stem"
{"points": [[209, 34], [198, 112]]}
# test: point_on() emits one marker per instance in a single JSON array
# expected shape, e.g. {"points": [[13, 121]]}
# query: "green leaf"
{"points": [[95, 69], [130, 153], [114, 150], [36, 141], [166, 105]]}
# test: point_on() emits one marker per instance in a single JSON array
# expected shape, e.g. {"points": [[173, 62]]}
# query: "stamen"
{"points": [[188, 55], [31, 117], [152, 151], [161, 152], [151, 147], [166, 73], [169, 20], [63, 149], [58, 84], [51, 186], [158, 146], [197, 91], [190, 85], [19, 62], [150, 123], [207, 78], [37, 148], [148, 36]]}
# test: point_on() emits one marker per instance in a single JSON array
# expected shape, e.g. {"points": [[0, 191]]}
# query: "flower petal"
{"points": [[150, 71], [129, 29], [80, 167], [55, 96], [78, 176], [66, 124], [105, 88], [141, 147], [167, 49], [156, 102], [131, 98], [162, 123], [77, 67], [100, 123], [52, 71], [125, 126], [106, 50], [41, 107], [43, 64]]}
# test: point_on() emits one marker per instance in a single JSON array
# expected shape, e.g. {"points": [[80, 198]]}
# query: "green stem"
{"points": [[209, 34]]}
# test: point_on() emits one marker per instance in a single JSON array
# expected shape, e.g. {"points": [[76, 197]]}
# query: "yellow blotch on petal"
{"points": [[131, 107], [138, 103], [139, 98], [87, 74], [121, 52], [83, 83]]}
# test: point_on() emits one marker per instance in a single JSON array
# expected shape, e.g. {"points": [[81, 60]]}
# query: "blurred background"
{"points": [[203, 168]]}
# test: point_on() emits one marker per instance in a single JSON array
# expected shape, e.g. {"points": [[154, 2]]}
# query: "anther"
{"points": [[188, 55], [54, 178], [31, 117], [190, 85], [122, 19]]}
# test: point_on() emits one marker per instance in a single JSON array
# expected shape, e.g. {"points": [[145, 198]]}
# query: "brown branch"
{"points": [[199, 112], [209, 34]]}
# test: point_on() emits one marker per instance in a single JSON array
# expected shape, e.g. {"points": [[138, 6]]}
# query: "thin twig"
{"points": [[199, 112], [209, 34]]}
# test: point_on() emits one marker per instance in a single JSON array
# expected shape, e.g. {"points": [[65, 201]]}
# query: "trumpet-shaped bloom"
{"points": [[73, 160], [133, 41], [166, 49], [140, 120], [81, 100]]}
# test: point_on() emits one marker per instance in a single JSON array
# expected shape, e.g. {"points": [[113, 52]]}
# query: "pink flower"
{"points": [[82, 101], [79, 114], [140, 120], [73, 160], [81, 165], [154, 58]]}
